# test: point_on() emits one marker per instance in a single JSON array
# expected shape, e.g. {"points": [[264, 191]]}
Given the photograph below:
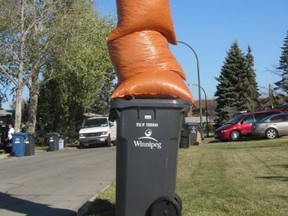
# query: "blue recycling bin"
{"points": [[18, 144], [61, 144]]}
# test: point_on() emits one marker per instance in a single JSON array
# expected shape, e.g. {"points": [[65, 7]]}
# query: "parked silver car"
{"points": [[271, 127]]}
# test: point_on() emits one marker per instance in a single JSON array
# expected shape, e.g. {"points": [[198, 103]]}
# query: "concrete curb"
{"points": [[83, 210], [4, 156]]}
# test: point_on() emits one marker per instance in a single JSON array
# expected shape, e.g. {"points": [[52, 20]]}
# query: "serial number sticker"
{"points": [[152, 125], [139, 124], [147, 124]]}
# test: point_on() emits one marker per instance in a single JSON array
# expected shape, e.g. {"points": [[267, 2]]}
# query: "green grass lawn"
{"points": [[226, 178]]}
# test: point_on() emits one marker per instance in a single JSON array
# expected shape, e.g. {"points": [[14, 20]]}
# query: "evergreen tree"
{"points": [[282, 85], [252, 86], [237, 89], [242, 84], [227, 96]]}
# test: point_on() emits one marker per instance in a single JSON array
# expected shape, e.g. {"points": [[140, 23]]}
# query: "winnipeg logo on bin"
{"points": [[148, 141]]}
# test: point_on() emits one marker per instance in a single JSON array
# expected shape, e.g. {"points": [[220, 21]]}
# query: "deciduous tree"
{"points": [[83, 71], [33, 33]]}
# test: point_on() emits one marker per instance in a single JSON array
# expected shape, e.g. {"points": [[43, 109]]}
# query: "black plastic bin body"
{"points": [[53, 141], [30, 145], [148, 134], [3, 135], [185, 137]]}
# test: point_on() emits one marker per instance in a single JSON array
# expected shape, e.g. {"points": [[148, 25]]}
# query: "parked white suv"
{"points": [[97, 131]]}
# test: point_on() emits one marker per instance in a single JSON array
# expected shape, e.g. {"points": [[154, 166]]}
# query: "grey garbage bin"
{"points": [[61, 144], [148, 135], [53, 141], [30, 144], [194, 131]]}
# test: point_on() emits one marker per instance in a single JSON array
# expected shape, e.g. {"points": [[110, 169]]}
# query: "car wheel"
{"points": [[235, 135], [271, 133], [114, 143], [81, 146], [108, 141]]}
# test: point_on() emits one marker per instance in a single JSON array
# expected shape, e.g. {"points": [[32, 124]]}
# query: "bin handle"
{"points": [[186, 107]]}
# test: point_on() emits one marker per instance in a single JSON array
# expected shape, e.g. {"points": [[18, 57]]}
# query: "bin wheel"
{"points": [[178, 200], [165, 206]]}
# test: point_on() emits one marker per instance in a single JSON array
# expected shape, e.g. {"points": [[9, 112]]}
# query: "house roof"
{"points": [[5, 113]]}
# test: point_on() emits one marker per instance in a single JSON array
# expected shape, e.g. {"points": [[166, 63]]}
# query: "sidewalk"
{"points": [[3, 156]]}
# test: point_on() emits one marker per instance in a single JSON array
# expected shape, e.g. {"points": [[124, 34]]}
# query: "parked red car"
{"points": [[241, 125]]}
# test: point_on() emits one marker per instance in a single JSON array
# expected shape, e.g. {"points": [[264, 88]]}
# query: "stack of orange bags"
{"points": [[139, 51]]}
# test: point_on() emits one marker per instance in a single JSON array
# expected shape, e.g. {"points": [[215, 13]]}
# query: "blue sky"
{"points": [[210, 27]]}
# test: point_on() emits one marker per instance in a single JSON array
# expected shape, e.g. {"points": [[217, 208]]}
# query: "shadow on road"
{"points": [[17, 205]]}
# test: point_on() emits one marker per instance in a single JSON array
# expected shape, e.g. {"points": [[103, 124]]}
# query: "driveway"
{"points": [[54, 183]]}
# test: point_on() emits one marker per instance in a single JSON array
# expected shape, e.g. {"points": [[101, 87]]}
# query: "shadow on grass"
{"points": [[214, 141], [277, 178], [284, 197], [242, 139], [257, 142], [285, 166], [101, 207]]}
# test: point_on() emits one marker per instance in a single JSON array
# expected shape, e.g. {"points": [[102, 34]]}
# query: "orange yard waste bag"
{"points": [[140, 53], [137, 15]]}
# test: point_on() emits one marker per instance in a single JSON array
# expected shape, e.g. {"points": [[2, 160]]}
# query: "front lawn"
{"points": [[226, 179]]}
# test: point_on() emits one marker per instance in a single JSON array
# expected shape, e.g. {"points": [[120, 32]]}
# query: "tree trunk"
{"points": [[19, 91], [18, 107], [32, 108]]}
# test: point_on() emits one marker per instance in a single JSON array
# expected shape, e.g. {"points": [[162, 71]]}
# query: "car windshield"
{"points": [[235, 119], [95, 122]]}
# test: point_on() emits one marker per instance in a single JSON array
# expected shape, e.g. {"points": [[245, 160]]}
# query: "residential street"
{"points": [[54, 183]]}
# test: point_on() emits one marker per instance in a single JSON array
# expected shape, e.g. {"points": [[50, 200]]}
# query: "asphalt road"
{"points": [[54, 183]]}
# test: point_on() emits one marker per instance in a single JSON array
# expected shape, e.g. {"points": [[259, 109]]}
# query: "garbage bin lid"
{"points": [[52, 134], [169, 103], [19, 134]]}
